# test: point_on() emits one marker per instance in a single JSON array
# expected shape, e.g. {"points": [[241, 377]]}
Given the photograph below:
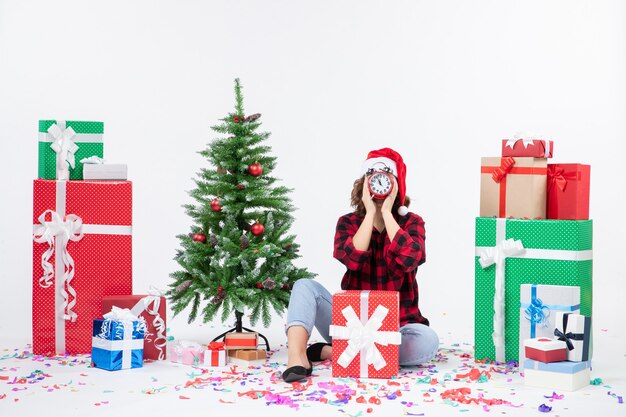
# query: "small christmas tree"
{"points": [[239, 254]]}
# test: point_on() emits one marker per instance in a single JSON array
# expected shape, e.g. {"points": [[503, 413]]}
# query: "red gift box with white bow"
{"points": [[82, 252], [520, 146], [151, 308], [365, 332]]}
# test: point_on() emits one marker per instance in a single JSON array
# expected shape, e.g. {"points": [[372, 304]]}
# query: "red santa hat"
{"points": [[386, 159]]}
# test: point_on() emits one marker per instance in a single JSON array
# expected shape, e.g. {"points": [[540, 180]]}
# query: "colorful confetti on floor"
{"points": [[452, 383]]}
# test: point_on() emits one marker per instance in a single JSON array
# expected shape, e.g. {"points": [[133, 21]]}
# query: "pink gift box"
{"points": [[186, 352]]}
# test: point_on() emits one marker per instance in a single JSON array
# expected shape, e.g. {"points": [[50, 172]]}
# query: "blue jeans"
{"points": [[310, 306]]}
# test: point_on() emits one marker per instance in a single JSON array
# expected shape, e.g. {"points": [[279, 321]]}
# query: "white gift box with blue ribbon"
{"points": [[538, 308], [117, 341]]}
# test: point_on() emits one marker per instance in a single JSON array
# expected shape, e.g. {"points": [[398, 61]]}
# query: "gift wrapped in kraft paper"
{"points": [[513, 187]]}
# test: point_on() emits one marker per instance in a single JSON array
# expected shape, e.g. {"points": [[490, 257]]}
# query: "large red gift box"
{"points": [[82, 252], [365, 330], [151, 308], [568, 191], [537, 148]]}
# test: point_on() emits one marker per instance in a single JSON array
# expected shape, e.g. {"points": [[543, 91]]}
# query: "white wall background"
{"points": [[442, 82]]}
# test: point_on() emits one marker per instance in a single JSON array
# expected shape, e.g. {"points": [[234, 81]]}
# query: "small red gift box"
{"points": [[568, 191], [82, 252], [545, 350], [536, 148], [215, 355], [151, 308], [241, 340], [365, 331]]}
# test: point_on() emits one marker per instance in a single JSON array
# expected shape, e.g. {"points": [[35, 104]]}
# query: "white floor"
{"points": [[31, 386]]}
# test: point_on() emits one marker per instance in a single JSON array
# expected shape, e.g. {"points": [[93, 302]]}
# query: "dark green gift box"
{"points": [[555, 252], [88, 138]]}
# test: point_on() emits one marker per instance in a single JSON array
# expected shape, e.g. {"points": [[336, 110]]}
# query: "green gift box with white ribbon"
{"points": [[511, 252], [63, 144]]}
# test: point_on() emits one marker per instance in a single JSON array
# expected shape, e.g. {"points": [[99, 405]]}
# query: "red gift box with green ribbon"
{"points": [[568, 191], [82, 252]]}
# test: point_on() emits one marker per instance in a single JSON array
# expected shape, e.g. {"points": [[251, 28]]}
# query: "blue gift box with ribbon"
{"points": [[117, 343]]}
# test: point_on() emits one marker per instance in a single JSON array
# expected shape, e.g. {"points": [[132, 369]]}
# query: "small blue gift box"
{"points": [[117, 344]]}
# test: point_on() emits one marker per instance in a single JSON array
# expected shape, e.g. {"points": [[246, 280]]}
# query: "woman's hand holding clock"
{"points": [[387, 206], [367, 198]]}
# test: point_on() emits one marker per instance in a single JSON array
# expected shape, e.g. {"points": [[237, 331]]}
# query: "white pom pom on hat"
{"points": [[388, 158]]}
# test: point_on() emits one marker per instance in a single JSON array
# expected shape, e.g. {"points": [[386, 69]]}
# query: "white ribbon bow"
{"points": [[64, 147], [497, 255], [362, 338], [58, 232], [120, 314], [526, 140], [95, 159], [154, 300]]}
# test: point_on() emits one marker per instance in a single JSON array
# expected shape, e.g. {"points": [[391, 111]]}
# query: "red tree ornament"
{"points": [[259, 285], [255, 169], [215, 205], [236, 119], [241, 187], [257, 229], [199, 237]]}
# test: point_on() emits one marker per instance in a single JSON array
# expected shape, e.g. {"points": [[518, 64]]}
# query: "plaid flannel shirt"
{"points": [[386, 265]]}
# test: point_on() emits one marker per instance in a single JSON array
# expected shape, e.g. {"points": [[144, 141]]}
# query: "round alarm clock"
{"points": [[380, 184]]}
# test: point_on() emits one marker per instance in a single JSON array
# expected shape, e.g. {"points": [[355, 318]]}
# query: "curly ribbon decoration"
{"points": [[506, 164], [497, 255], [57, 233], [150, 304], [536, 312], [363, 335], [65, 148]]}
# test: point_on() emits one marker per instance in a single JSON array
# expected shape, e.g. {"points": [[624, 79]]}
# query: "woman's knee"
{"points": [[304, 284], [419, 344]]}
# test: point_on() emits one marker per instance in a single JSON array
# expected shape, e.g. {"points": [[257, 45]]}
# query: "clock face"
{"points": [[380, 184]]}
